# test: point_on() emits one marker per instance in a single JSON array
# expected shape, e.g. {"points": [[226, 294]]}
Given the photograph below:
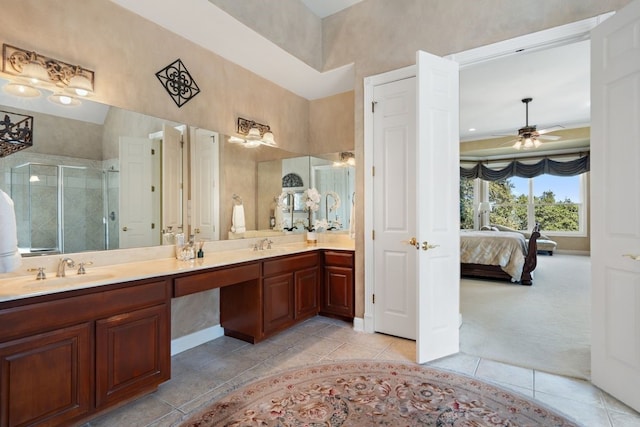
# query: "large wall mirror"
{"points": [[78, 188]]}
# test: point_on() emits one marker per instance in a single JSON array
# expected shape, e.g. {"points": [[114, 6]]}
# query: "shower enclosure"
{"points": [[62, 209]]}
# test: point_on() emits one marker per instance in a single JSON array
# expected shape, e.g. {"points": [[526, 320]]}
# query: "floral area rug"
{"points": [[372, 393]]}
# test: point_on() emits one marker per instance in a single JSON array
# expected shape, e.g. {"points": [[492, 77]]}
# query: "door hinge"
{"points": [[373, 171], [213, 139], [373, 234], [373, 298], [373, 106]]}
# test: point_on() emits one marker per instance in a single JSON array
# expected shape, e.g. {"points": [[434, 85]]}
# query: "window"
{"points": [[557, 203]]}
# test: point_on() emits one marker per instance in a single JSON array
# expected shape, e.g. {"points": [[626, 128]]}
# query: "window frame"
{"points": [[482, 194]]}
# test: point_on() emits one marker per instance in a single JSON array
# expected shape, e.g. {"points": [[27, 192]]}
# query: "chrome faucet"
{"points": [[68, 262]]}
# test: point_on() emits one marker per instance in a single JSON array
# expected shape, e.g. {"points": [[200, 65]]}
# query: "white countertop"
{"points": [[19, 287]]}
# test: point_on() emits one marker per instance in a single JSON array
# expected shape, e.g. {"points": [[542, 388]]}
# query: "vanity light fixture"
{"points": [[33, 71], [16, 132], [253, 134], [346, 159]]}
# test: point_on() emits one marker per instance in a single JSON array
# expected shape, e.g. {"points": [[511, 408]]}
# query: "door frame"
{"points": [[557, 36]]}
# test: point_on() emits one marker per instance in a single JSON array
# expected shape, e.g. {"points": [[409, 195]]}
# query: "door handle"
{"points": [[413, 242], [426, 246], [633, 257], [124, 229]]}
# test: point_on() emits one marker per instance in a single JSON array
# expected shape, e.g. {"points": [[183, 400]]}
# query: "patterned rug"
{"points": [[370, 393]]}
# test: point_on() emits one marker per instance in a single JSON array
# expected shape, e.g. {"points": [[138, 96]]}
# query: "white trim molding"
{"points": [[194, 339]]}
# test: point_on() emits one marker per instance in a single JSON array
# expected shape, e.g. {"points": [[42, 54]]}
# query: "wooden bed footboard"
{"points": [[495, 272]]}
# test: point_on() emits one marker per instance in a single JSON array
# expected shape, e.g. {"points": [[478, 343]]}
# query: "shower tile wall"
{"points": [[84, 201]]}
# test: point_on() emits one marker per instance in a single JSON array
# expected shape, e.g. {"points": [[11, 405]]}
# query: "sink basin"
{"points": [[69, 281]]}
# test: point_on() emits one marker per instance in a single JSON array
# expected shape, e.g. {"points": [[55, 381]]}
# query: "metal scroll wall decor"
{"points": [[178, 82], [16, 132]]}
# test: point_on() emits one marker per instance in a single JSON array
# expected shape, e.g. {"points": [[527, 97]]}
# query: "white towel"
{"points": [[9, 255], [279, 219], [237, 219]]}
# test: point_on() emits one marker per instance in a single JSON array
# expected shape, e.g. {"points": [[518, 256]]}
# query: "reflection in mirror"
{"points": [[67, 188], [280, 193]]}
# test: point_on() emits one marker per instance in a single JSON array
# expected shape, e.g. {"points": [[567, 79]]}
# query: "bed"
{"points": [[499, 255]]}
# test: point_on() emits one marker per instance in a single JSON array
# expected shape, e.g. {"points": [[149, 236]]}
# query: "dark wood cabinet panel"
{"points": [[307, 299], [132, 353], [46, 379], [338, 285], [338, 291], [215, 279], [278, 302], [64, 359]]}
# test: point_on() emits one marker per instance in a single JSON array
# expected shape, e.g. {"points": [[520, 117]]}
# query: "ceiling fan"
{"points": [[528, 136]]}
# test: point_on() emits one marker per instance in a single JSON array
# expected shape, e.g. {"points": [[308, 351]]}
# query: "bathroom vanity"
{"points": [[66, 356]]}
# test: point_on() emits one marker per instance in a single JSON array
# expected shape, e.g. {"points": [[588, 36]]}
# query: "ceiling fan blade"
{"points": [[549, 137], [550, 129]]}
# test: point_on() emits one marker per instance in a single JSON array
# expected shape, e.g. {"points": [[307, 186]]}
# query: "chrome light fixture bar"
{"points": [[16, 132], [33, 71], [253, 134]]}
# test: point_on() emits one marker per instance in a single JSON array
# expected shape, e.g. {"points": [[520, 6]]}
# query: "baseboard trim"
{"points": [[570, 252], [194, 339], [358, 324]]}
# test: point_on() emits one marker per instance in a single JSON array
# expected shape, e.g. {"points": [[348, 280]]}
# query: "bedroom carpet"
{"points": [[545, 326]]}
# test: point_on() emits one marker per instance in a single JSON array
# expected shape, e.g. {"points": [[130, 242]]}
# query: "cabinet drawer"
{"points": [[290, 263], [215, 279], [338, 259], [28, 319]]}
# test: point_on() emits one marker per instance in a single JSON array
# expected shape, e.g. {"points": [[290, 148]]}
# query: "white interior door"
{"points": [[136, 212], [438, 208], [205, 190], [171, 178], [615, 204], [394, 148]]}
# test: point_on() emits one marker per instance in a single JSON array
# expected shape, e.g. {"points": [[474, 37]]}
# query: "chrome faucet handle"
{"points": [[81, 265], [40, 275], [255, 246], [269, 242]]}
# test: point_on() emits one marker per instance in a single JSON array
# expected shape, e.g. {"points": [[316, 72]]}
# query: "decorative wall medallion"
{"points": [[178, 82], [16, 132], [292, 180]]}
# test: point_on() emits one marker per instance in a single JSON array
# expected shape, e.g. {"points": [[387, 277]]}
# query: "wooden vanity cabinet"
{"points": [[65, 357], [338, 285], [291, 288]]}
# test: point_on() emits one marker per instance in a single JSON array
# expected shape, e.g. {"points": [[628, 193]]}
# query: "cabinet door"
{"points": [[133, 353], [338, 291], [306, 292], [278, 302], [46, 378]]}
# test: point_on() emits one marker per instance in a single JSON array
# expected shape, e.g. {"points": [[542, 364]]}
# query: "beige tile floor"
{"points": [[205, 373]]}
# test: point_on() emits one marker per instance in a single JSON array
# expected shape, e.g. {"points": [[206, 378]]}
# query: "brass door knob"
{"points": [[412, 241], [633, 257], [124, 228]]}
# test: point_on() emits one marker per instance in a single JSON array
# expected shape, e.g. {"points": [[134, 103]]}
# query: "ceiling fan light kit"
{"points": [[528, 136]]}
